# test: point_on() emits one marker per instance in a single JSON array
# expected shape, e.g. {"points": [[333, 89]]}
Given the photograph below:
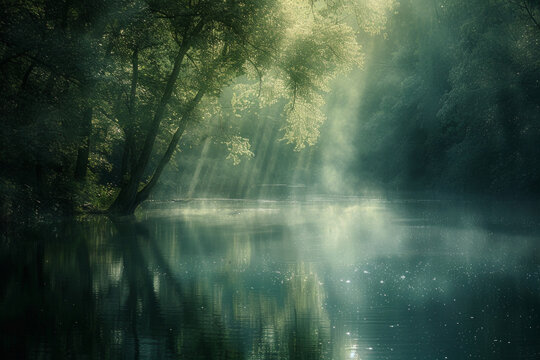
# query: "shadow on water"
{"points": [[356, 280], [48, 308]]}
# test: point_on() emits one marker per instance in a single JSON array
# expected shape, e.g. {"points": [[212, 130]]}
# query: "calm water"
{"points": [[351, 279]]}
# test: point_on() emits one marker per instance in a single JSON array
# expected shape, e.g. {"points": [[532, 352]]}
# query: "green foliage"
{"points": [[238, 147], [105, 86], [94, 195]]}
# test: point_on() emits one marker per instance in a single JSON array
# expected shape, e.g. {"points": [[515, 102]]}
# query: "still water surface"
{"points": [[353, 279]]}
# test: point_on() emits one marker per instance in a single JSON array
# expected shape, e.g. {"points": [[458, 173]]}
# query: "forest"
{"points": [[106, 104]]}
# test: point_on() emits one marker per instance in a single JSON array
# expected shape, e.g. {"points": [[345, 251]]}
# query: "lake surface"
{"points": [[347, 279]]}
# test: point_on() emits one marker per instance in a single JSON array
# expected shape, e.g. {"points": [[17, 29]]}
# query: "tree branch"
{"points": [[145, 191]]}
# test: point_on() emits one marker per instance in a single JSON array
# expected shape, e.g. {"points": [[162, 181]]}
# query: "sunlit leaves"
{"points": [[315, 49], [286, 49], [372, 15], [302, 123], [238, 147]]}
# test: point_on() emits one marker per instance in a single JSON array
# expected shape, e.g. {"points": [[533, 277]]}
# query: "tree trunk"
{"points": [[125, 202], [147, 189], [83, 152], [145, 192], [127, 156]]}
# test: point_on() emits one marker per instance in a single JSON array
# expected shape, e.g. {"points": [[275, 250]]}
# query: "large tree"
{"points": [[140, 72], [280, 49]]}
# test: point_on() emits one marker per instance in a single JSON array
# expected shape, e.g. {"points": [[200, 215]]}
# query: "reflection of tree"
{"points": [[217, 316], [286, 321], [109, 289], [309, 327]]}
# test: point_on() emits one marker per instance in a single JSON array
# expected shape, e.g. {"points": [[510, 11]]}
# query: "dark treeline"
{"points": [[452, 100]]}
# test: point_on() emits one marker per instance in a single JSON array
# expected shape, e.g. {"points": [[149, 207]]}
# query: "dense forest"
{"points": [[106, 104], [452, 100]]}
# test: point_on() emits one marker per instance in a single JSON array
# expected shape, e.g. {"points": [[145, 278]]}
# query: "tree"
{"points": [[51, 61], [282, 48], [115, 84]]}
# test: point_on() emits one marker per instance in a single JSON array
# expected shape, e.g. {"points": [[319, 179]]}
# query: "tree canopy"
{"points": [[104, 90]]}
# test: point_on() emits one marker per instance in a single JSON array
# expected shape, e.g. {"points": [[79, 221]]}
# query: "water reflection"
{"points": [[277, 280]]}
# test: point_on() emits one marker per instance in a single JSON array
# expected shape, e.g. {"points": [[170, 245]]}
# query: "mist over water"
{"points": [[339, 143], [324, 279]]}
